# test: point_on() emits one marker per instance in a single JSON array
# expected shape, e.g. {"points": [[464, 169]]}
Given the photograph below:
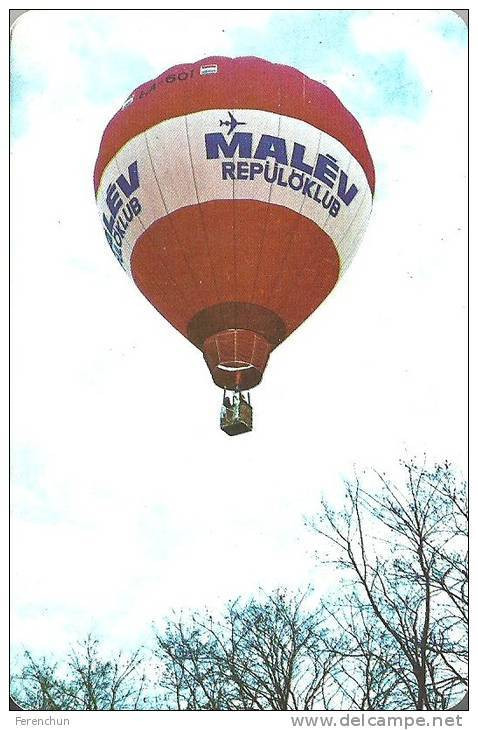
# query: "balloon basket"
{"points": [[236, 414]]}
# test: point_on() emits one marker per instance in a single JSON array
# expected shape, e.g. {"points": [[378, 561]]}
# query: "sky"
{"points": [[127, 499]]}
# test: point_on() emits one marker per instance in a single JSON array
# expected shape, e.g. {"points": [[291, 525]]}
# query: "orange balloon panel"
{"points": [[235, 193]]}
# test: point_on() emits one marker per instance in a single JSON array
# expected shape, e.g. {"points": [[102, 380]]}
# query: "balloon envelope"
{"points": [[235, 193]]}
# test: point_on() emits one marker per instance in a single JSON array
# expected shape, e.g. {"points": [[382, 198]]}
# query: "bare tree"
{"points": [[392, 635], [260, 655], [366, 662], [84, 682], [403, 548]]}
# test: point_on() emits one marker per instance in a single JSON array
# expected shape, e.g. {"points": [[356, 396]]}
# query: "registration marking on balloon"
{"points": [[233, 154]]}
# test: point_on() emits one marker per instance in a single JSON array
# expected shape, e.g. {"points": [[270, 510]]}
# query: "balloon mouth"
{"points": [[236, 358], [234, 367]]}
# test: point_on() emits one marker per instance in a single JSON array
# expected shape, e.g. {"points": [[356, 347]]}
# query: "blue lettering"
{"points": [[118, 230], [346, 195], [129, 186], [280, 179], [326, 170], [128, 213], [270, 178], [334, 208], [228, 170], [113, 200], [308, 186], [109, 222], [297, 160], [271, 147], [242, 170], [216, 141], [255, 169], [135, 206]]}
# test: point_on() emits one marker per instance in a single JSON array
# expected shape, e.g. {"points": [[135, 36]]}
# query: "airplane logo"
{"points": [[232, 123]]}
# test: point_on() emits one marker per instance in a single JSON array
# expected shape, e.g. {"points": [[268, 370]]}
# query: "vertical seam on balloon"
{"points": [[172, 279], [234, 258], [339, 243], [361, 212], [206, 238], [138, 217], [292, 232], [284, 302], [168, 215], [266, 225], [331, 233], [253, 347]]}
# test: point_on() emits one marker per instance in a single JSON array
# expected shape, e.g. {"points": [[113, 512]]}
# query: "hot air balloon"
{"points": [[234, 192]]}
